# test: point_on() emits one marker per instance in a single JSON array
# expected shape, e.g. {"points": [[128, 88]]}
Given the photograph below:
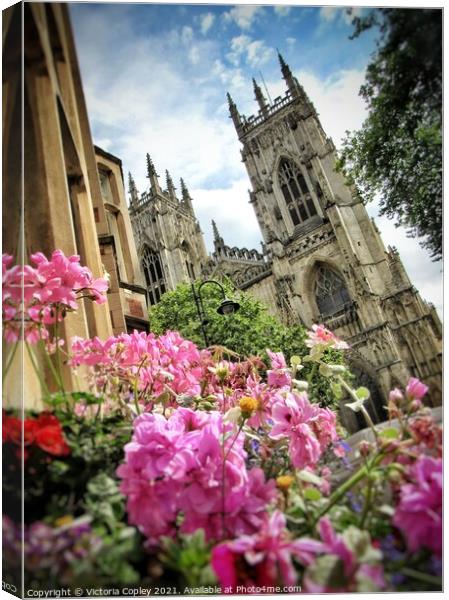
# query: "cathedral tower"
{"points": [[328, 262], [169, 241]]}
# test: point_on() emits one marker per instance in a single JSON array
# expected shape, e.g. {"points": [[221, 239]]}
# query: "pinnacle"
{"points": [[217, 236], [281, 60], [150, 167]]}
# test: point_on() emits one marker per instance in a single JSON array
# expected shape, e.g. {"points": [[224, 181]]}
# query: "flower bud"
{"points": [[365, 448], [395, 396], [415, 405], [284, 482]]}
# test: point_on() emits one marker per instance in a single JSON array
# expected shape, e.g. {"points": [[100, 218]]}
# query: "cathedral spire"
{"points": [[186, 199], [152, 176], [170, 187], [287, 75], [234, 112], [261, 100], [218, 240], [132, 189]]}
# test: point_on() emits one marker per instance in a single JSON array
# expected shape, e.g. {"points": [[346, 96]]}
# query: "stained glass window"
{"points": [[296, 193], [154, 275], [330, 291]]}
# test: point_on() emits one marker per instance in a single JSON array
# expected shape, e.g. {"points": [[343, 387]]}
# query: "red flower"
{"points": [[12, 430], [47, 418], [51, 440]]}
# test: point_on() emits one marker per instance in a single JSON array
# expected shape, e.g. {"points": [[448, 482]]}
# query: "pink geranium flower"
{"points": [[321, 336], [308, 428], [279, 375], [419, 512], [35, 297], [356, 559], [180, 461], [261, 559], [415, 389]]}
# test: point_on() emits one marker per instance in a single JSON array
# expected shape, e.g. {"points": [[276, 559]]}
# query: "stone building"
{"points": [[127, 294], [326, 262], [61, 204], [322, 259], [168, 236]]}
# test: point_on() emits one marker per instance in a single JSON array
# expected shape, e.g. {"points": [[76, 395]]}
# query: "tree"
{"points": [[248, 332], [398, 151]]}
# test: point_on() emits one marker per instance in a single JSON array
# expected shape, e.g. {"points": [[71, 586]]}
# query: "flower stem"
{"points": [[58, 354], [37, 371], [235, 439], [56, 376], [425, 577], [348, 484], [365, 413], [9, 360], [368, 501]]}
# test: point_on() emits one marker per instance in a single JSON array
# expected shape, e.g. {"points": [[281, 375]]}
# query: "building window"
{"points": [[296, 193], [154, 275], [105, 185], [331, 293]]}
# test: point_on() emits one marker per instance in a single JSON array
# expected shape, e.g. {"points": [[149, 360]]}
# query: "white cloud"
{"points": [[186, 34], [194, 55], [290, 41], [229, 207], [243, 15], [330, 14], [255, 52], [282, 10], [145, 95], [206, 22]]}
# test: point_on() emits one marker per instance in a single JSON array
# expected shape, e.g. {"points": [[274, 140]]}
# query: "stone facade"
{"points": [[127, 294], [62, 203], [327, 260], [322, 259], [168, 236]]}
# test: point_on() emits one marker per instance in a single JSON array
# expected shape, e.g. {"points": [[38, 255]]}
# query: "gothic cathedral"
{"points": [[322, 259]]}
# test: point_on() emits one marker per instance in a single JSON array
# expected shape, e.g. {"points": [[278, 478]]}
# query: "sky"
{"points": [[155, 78]]}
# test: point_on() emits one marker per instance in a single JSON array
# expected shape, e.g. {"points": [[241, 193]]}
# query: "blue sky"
{"points": [[156, 77]]}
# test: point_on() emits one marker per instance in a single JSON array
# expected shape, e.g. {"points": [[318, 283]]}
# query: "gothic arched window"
{"points": [[296, 193], [154, 275], [331, 293]]}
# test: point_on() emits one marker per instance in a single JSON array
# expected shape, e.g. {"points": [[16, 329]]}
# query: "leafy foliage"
{"points": [[247, 332], [398, 151]]}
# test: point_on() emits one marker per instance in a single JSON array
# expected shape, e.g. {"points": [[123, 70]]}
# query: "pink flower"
{"points": [[176, 466], [395, 395], [425, 430], [279, 375], [419, 513], [261, 559], [321, 336], [41, 295], [308, 428], [356, 560], [415, 389]]}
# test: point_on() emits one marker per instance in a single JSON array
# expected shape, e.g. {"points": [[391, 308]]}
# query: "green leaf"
{"points": [[328, 571], [310, 477], [312, 494], [389, 432]]}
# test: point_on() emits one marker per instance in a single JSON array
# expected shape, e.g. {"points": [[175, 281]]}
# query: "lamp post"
{"points": [[227, 306]]}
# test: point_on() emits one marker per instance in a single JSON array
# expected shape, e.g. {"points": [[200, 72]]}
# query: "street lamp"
{"points": [[227, 306]]}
